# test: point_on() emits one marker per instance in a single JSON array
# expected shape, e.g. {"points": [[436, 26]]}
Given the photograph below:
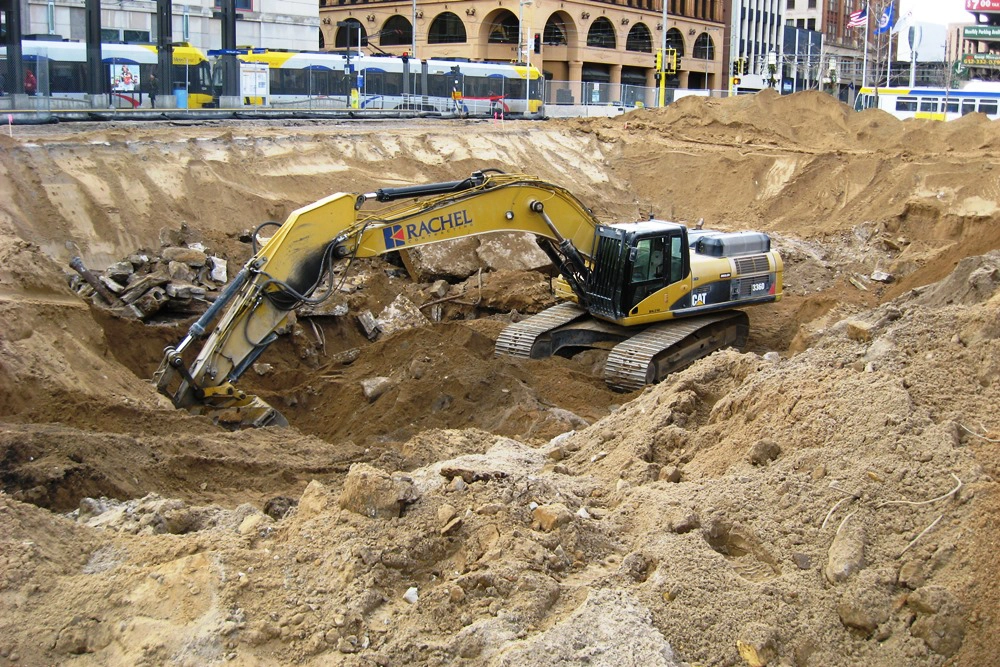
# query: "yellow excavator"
{"points": [[654, 294]]}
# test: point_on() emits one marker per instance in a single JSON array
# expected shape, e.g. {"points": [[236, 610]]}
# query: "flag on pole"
{"points": [[859, 18], [902, 23], [885, 21]]}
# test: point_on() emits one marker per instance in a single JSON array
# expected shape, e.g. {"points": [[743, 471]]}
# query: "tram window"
{"points": [[929, 104], [968, 106], [988, 107], [952, 106], [906, 104]]}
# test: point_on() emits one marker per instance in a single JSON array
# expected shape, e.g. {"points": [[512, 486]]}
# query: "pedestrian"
{"points": [[151, 87], [30, 84]]}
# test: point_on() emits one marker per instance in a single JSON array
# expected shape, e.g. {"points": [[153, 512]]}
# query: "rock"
{"points": [[802, 561], [861, 614], [941, 619], [111, 285], [375, 387], [859, 331], [315, 500], [219, 269], [669, 474], [512, 252], [251, 524], [277, 508], [763, 452], [446, 513], [182, 290], [438, 289], [139, 285], [120, 271], [411, 595], [881, 277], [454, 259], [189, 256], [911, 575], [452, 526], [368, 324], [399, 315], [373, 493], [847, 553], [180, 271], [151, 302], [757, 644], [550, 517]]}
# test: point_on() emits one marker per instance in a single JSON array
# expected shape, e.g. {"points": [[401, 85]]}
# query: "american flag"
{"points": [[859, 18]]}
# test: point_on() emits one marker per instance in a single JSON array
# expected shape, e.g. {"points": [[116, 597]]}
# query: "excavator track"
{"points": [[661, 349], [638, 356], [518, 340]]}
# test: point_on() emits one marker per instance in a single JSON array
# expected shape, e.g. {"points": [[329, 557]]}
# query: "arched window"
{"points": [[347, 37], [322, 41], [555, 31], [446, 28], [504, 29], [675, 40], [639, 39], [602, 34], [704, 47], [397, 31]]}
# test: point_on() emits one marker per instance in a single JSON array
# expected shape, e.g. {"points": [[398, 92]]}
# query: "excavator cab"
{"points": [[634, 261]]}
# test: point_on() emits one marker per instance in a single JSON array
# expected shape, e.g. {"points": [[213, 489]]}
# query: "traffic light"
{"points": [[406, 57], [538, 43], [659, 60], [744, 65], [736, 80], [736, 67], [672, 62]]}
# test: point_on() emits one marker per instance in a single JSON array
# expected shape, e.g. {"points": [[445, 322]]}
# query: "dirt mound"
{"points": [[825, 497]]}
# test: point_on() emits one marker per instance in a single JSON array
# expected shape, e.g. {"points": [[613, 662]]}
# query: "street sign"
{"points": [[989, 33], [982, 5], [981, 60]]}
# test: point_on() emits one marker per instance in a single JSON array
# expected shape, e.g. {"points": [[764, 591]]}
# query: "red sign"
{"points": [[982, 5]]}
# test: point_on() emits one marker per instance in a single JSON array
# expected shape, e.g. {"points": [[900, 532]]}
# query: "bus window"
{"points": [[988, 107], [906, 104], [929, 104], [968, 106]]}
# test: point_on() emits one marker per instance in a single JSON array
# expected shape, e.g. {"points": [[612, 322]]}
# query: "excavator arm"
{"points": [[295, 267]]}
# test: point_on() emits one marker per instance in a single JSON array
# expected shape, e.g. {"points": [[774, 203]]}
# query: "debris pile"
{"points": [[180, 280]]}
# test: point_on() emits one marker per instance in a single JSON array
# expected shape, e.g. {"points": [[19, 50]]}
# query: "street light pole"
{"points": [[527, 58], [413, 32], [662, 102]]}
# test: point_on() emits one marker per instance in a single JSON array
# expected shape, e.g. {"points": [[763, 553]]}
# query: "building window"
{"points": [[790, 4], [639, 39], [602, 34], [446, 28]]}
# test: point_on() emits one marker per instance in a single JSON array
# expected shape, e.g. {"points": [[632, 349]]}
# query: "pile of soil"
{"points": [[826, 496]]}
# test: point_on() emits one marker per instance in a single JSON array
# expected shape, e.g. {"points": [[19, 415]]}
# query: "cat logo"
{"points": [[698, 298]]}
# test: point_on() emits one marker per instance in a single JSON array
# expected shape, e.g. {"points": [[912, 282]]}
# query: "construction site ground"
{"points": [[826, 496]]}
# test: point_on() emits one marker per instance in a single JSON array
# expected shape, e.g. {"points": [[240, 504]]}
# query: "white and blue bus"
{"points": [[932, 103]]}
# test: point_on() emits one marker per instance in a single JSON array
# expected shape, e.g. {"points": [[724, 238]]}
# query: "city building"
{"points": [[837, 65], [574, 42], [272, 24]]}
